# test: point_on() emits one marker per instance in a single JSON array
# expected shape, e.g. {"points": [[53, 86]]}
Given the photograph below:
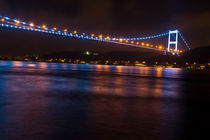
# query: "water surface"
{"points": [[58, 101]]}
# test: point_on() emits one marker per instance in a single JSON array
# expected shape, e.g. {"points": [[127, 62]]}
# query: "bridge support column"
{"points": [[172, 41]]}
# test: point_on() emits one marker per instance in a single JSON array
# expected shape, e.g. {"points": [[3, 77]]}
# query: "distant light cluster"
{"points": [[17, 24]]}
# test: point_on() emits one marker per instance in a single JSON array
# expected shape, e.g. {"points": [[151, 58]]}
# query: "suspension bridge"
{"points": [[173, 44]]}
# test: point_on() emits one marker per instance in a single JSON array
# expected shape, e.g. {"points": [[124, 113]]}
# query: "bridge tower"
{"points": [[172, 41]]}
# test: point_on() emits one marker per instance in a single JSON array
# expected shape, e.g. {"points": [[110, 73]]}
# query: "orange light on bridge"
{"points": [[114, 39], [31, 24], [92, 35], [65, 30], [181, 51], [151, 46], [55, 28], [100, 36], [83, 33], [137, 43], [132, 42], [142, 44], [126, 41], [160, 47], [171, 49], [75, 32], [147, 45], [121, 40], [107, 37], [18, 22], [44, 26], [3, 20]]}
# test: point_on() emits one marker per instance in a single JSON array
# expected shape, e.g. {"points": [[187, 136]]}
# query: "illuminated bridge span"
{"points": [[173, 44]]}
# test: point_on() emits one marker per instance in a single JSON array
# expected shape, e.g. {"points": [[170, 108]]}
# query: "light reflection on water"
{"points": [[115, 80], [67, 101]]}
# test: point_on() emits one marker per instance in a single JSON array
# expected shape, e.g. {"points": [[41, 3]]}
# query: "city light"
{"points": [[75, 32], [65, 30], [55, 28], [144, 62]]}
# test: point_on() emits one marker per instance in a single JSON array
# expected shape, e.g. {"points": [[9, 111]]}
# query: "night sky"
{"points": [[112, 17]]}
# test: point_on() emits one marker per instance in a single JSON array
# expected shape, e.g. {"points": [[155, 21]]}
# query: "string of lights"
{"points": [[148, 37], [185, 42], [17, 24]]}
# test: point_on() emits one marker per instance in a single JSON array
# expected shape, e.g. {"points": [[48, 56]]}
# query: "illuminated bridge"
{"points": [[172, 37]]}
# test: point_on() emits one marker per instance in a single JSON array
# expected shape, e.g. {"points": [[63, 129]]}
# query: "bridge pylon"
{"points": [[172, 41]]}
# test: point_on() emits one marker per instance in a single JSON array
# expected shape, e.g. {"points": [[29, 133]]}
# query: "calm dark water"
{"points": [[50, 101]]}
